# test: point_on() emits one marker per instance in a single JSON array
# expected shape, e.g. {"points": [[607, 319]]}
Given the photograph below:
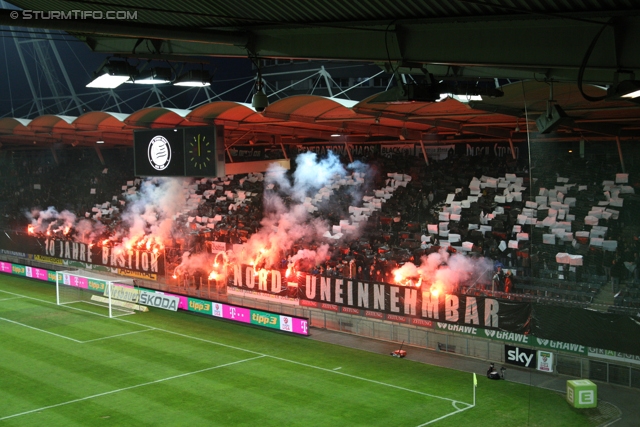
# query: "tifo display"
{"points": [[492, 252]]}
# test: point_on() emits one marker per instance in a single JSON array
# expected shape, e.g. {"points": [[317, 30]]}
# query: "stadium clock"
{"points": [[200, 151]]}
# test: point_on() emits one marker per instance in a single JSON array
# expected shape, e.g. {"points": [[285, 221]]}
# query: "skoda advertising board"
{"points": [[158, 152]]}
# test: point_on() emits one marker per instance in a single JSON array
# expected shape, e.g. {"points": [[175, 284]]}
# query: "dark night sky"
{"points": [[79, 62]]}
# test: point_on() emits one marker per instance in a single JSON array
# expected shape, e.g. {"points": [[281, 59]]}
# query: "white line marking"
{"points": [[453, 401], [447, 415], [339, 367], [194, 338], [53, 303], [41, 330], [118, 335], [129, 388], [8, 299], [364, 379]]}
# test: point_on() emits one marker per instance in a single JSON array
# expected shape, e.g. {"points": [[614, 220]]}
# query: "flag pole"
{"points": [[475, 384]]}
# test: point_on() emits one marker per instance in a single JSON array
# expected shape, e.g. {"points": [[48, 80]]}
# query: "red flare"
{"points": [[398, 277], [436, 289]]}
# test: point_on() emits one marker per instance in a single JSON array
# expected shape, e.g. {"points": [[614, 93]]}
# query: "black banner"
{"points": [[56, 250], [384, 298], [495, 149], [553, 326], [357, 150], [587, 327]]}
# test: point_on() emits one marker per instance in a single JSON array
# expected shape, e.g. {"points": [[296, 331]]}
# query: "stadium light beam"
{"points": [[153, 76], [111, 75], [194, 78]]}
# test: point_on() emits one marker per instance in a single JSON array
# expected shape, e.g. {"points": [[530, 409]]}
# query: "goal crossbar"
{"points": [[75, 287]]}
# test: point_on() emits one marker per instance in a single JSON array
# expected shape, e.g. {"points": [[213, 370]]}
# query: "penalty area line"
{"points": [[259, 355], [117, 335], [40, 330], [129, 388], [9, 299]]}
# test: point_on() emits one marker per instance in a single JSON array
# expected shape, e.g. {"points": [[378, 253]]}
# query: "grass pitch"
{"points": [[72, 366]]}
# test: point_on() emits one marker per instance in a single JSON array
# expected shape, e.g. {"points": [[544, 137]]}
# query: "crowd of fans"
{"points": [[76, 180], [396, 234]]}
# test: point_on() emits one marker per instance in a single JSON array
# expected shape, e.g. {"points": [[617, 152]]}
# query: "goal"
{"points": [[118, 299]]}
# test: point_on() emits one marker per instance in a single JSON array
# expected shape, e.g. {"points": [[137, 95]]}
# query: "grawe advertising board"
{"points": [[614, 355]]}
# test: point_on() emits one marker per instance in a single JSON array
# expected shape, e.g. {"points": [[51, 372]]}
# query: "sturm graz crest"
{"points": [[159, 153]]}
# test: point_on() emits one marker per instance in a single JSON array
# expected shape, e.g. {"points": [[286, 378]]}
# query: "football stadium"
{"points": [[309, 213]]}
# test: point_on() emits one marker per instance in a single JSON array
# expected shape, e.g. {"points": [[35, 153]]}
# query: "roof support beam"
{"points": [[512, 47], [133, 29]]}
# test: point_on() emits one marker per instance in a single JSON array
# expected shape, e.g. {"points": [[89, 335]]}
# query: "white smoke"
{"points": [[148, 216], [51, 221], [449, 270], [150, 212], [312, 174], [192, 262], [287, 224]]}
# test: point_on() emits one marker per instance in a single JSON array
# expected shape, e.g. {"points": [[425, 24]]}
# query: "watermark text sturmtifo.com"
{"points": [[119, 15]]}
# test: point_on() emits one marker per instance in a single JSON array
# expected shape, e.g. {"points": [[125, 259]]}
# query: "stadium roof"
{"points": [[515, 39], [571, 43], [309, 118]]}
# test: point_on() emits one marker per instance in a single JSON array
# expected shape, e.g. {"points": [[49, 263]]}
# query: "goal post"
{"points": [[119, 299]]}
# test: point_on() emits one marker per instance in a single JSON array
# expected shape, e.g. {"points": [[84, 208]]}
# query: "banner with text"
{"points": [[382, 300], [64, 252]]}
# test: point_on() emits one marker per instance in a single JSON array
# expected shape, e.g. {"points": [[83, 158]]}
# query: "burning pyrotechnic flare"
{"points": [[436, 288]]}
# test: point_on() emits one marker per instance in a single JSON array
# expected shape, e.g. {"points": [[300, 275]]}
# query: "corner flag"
{"points": [[475, 380]]}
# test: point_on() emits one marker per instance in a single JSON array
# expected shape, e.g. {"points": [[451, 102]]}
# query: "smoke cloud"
{"points": [[287, 221], [445, 269]]}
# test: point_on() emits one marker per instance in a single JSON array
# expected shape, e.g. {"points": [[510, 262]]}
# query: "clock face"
{"points": [[200, 152]]}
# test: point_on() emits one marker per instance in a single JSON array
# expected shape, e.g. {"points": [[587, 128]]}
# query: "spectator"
{"points": [[617, 270], [508, 284]]}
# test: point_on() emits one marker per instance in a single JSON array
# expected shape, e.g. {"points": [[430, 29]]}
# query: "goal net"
{"points": [[119, 299]]}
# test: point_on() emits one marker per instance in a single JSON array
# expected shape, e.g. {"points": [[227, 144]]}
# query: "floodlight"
{"points": [[194, 78], [628, 89], [153, 76], [111, 75]]}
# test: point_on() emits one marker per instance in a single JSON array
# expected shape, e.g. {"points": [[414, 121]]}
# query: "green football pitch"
{"points": [[72, 366]]}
